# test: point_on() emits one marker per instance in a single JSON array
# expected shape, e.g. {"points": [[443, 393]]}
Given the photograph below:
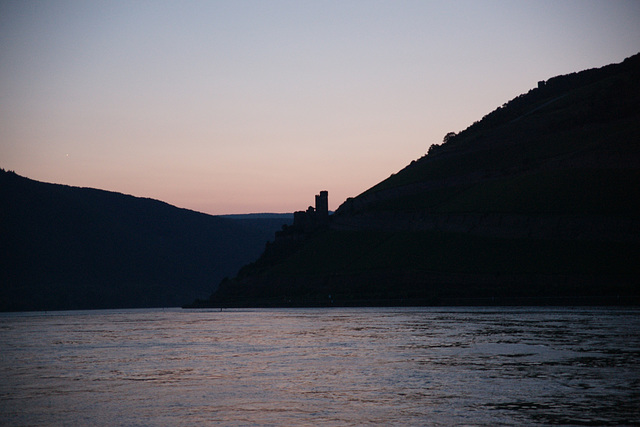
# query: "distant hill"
{"points": [[260, 216], [65, 247], [266, 223], [538, 202]]}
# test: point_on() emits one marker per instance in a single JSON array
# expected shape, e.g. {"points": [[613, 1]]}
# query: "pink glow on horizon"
{"points": [[239, 107]]}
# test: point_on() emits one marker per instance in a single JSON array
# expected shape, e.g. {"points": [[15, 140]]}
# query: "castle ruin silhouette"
{"points": [[313, 218]]}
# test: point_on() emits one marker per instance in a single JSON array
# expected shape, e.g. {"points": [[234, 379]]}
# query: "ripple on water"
{"points": [[321, 367]]}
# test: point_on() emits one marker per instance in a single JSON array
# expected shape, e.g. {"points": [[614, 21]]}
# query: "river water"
{"points": [[424, 366]]}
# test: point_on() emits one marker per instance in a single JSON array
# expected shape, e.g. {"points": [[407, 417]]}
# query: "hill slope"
{"points": [[78, 248], [536, 202]]}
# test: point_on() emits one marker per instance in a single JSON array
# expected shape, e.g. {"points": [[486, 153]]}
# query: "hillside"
{"points": [[537, 202], [65, 247]]}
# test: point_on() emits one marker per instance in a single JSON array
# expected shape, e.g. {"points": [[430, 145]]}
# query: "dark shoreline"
{"points": [[585, 301]]}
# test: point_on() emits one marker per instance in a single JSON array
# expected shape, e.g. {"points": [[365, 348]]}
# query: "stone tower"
{"points": [[322, 205]]}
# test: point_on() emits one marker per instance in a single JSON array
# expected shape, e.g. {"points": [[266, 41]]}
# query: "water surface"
{"points": [[474, 366]]}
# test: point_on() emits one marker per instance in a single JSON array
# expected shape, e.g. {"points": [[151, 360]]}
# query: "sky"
{"points": [[255, 106]]}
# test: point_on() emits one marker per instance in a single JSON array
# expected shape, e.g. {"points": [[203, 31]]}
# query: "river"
{"points": [[336, 366]]}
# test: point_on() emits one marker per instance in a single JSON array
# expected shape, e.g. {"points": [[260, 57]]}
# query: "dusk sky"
{"points": [[256, 106]]}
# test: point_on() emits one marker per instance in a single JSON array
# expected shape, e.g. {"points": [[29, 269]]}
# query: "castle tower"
{"points": [[322, 205]]}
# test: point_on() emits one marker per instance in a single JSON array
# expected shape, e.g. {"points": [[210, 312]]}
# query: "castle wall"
{"points": [[313, 217]]}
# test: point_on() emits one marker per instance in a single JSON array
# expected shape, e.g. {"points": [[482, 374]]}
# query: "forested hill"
{"points": [[65, 247], [565, 122], [537, 202]]}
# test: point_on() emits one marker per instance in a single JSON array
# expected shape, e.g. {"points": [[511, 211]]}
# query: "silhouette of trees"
{"points": [[432, 149], [448, 137]]}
